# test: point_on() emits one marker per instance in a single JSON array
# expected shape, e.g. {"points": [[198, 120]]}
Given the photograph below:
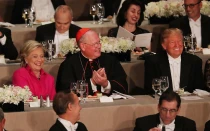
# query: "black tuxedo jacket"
{"points": [[111, 6], [19, 5], [207, 126], [183, 24], [9, 50], [147, 122], [47, 32], [191, 71], [58, 126]]}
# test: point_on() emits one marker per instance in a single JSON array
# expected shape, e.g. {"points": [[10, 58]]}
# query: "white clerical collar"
{"points": [[178, 59], [197, 22], [67, 124], [65, 33], [86, 57]]}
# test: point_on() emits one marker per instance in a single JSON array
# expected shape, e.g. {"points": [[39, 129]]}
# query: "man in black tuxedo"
{"points": [[167, 118], [102, 72], [194, 23], [7, 47], [66, 105], [207, 126], [19, 5], [183, 70], [60, 30]]}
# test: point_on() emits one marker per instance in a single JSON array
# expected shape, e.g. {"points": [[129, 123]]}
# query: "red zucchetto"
{"points": [[80, 33]]}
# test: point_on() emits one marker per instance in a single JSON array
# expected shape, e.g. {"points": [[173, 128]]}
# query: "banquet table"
{"points": [[117, 116], [20, 34]]}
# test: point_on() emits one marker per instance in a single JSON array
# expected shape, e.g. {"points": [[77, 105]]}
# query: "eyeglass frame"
{"points": [[171, 111], [191, 5], [95, 44]]}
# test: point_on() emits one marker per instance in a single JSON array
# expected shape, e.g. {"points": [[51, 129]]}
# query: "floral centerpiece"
{"points": [[108, 45], [12, 97], [169, 10]]}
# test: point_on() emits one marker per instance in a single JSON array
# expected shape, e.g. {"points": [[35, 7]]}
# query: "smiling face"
{"points": [[173, 44], [133, 14], [91, 46], [35, 59], [193, 12]]}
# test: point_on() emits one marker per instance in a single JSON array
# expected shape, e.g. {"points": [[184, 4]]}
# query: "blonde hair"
{"points": [[28, 47], [170, 31]]}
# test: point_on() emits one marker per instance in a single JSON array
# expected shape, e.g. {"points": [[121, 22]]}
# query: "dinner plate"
{"points": [[196, 51], [106, 19]]}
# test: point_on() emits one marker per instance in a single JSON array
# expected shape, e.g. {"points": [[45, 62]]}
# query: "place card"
{"points": [[105, 99]]}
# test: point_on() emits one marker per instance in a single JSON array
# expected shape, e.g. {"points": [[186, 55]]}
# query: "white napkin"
{"points": [[124, 95], [7, 24], [200, 92], [206, 51], [117, 96]]}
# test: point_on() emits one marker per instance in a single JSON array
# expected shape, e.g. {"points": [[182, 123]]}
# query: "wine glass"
{"points": [[100, 12], [186, 42], [164, 83], [25, 14], [93, 12], [82, 88], [193, 43], [32, 16], [156, 85], [74, 87], [50, 49]]}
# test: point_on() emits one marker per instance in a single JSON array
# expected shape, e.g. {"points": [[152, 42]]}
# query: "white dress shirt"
{"points": [[68, 125], [169, 127], [175, 68], [58, 39], [44, 9], [3, 40], [196, 29]]}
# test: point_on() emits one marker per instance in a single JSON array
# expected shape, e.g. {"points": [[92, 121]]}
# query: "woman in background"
{"points": [[31, 73], [130, 16]]}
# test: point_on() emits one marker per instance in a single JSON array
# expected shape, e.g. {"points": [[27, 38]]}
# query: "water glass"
{"points": [[156, 85], [164, 83], [25, 14], [74, 87], [83, 89], [100, 12], [93, 12], [193, 43]]}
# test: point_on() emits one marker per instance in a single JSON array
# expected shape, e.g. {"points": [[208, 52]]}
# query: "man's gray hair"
{"points": [[64, 9]]}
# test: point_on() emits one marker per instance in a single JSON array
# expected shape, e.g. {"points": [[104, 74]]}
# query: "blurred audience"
{"points": [[44, 9], [7, 47], [31, 73], [66, 105], [194, 23], [130, 16], [60, 30]]}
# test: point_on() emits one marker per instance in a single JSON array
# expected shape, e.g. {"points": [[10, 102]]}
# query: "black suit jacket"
{"points": [[183, 24], [58, 126], [19, 5], [76, 68], [47, 32], [147, 122], [9, 50], [207, 126], [190, 75]]}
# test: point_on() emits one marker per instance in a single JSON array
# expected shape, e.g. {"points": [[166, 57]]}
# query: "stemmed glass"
{"points": [[50, 49], [164, 83], [156, 85], [82, 88], [186, 42], [193, 43], [25, 14], [100, 12], [93, 12], [32, 16], [74, 87]]}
